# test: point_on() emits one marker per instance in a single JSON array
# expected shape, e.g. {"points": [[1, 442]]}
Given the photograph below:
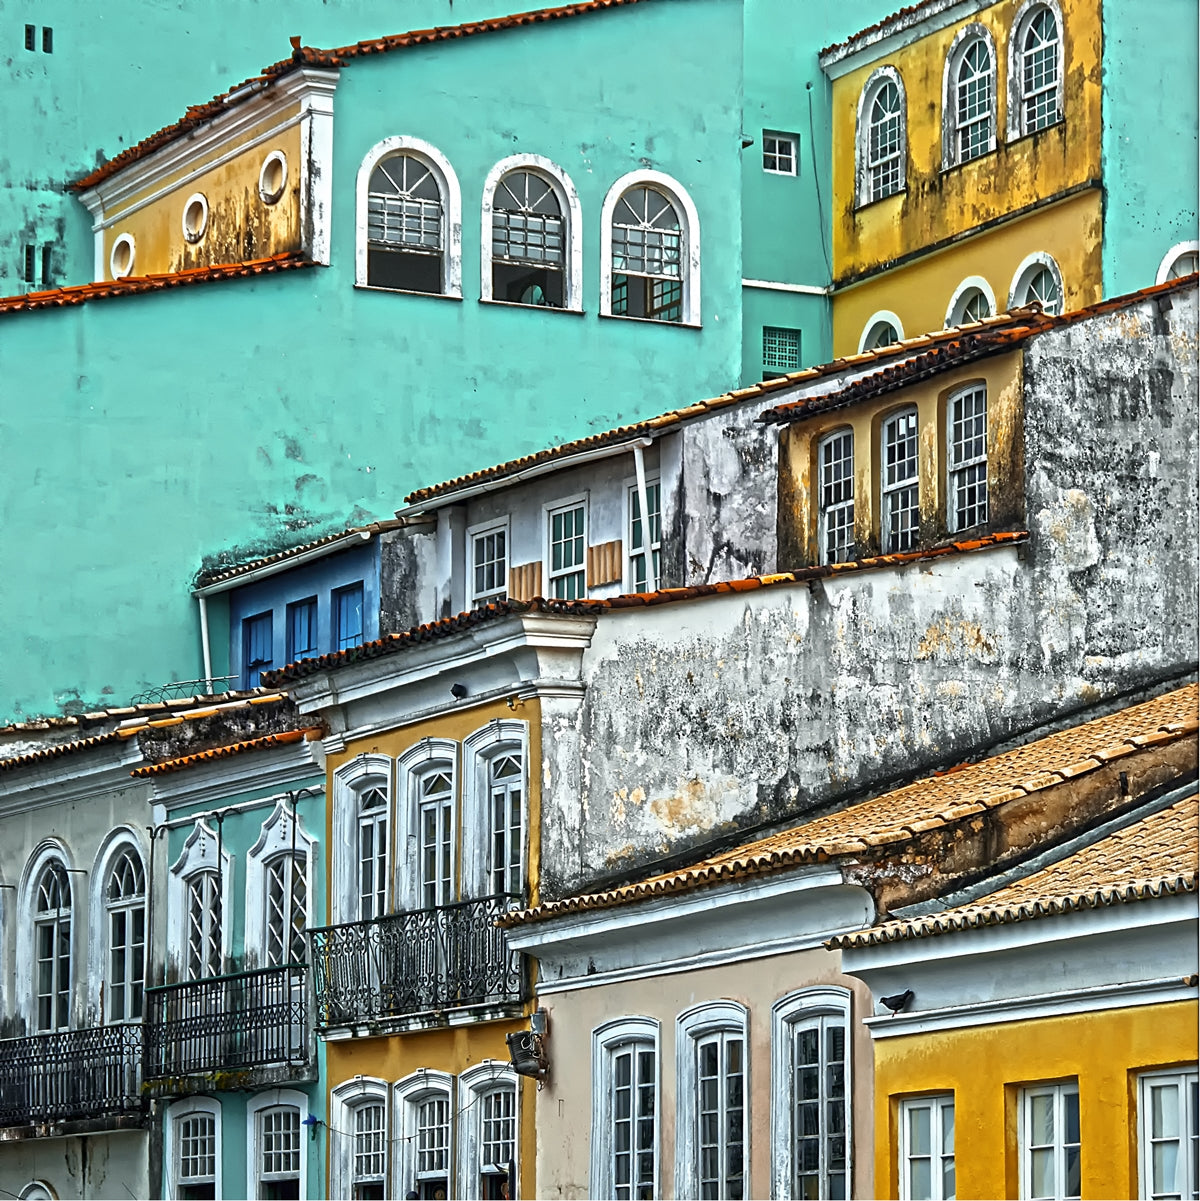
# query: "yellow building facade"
{"points": [[966, 158]]}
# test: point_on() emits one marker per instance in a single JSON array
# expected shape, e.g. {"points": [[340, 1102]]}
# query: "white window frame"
{"points": [[281, 835], [349, 780], [607, 1039], [99, 967], [961, 296], [954, 56], [482, 530], [568, 200], [276, 1099], [864, 193], [54, 872], [823, 512], [882, 317], [199, 854], [937, 1104], [1025, 274], [1183, 1078], [344, 1099], [49, 850], [689, 220], [474, 1084], [479, 750], [1169, 259], [443, 173], [788, 1014], [548, 512], [420, 758], [1058, 1090], [888, 492], [407, 1095], [1016, 126], [653, 578], [175, 1113], [793, 140], [692, 1027], [955, 467]]}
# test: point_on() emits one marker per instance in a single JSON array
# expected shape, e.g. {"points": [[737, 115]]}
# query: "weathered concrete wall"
{"points": [[87, 1166]]}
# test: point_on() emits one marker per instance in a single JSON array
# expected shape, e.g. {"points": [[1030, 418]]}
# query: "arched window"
{"points": [[359, 1158], [277, 1165], [362, 838], [506, 792], [435, 830], [203, 924], [278, 870], [969, 97], [495, 795], [1035, 68], [287, 909], [973, 301], [52, 947], [196, 903], [881, 330], [409, 219], [625, 1109], [1037, 279], [486, 1143], [125, 903], [373, 839], [651, 251], [423, 1125], [1180, 260], [192, 1151], [882, 136]]}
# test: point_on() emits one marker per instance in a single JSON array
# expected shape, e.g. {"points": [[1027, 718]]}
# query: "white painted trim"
{"points": [[317, 166], [476, 531], [1176, 251], [349, 779], [862, 134], [122, 242], [972, 281], [410, 767], [47, 851], [962, 41], [180, 1109], [607, 1038], [475, 1083], [1181, 1077], [479, 748], [1059, 1090], [782, 136], [568, 199], [281, 835], [35, 1190], [447, 181], [630, 489], [1015, 117], [267, 196], [199, 854], [406, 1095], [271, 1100], [693, 1024], [344, 1098], [115, 841], [689, 219], [878, 318], [548, 510], [773, 286], [787, 1013], [194, 235], [1029, 267]]}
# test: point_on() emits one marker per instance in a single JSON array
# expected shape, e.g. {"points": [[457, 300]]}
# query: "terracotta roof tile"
{"points": [[449, 626], [1157, 856], [137, 285], [266, 742], [888, 819], [61, 748], [898, 17]]}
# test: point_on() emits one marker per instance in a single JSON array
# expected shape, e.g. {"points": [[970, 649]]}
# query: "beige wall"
{"points": [[564, 1113]]}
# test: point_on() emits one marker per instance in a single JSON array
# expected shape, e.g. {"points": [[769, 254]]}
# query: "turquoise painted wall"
{"points": [[1149, 150], [157, 430]]}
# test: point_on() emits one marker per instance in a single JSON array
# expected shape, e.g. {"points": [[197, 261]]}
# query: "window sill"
{"points": [[652, 321], [538, 308], [408, 292], [866, 204], [1017, 136], [979, 158], [780, 174]]}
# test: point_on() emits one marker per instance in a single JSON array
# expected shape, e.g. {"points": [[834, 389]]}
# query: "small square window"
{"points": [[302, 630], [780, 350], [779, 153], [347, 617]]}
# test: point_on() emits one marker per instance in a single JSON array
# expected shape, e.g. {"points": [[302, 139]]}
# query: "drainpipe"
{"points": [[639, 467], [204, 641]]}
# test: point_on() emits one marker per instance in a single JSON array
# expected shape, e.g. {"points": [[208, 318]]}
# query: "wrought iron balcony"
{"points": [[228, 1024], [422, 961], [71, 1075]]}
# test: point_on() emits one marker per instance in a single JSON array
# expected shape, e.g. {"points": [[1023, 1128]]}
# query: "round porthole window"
{"points": [[120, 259], [195, 217], [272, 179]]}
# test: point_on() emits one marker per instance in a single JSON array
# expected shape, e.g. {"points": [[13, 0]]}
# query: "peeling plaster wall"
{"points": [[93, 1165]]}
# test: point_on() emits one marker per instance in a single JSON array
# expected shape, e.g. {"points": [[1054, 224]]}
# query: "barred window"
{"points": [[898, 459], [528, 241], [968, 467], [405, 235], [369, 1171], [885, 142], [780, 350], [972, 98], [1041, 47], [835, 456], [647, 256]]}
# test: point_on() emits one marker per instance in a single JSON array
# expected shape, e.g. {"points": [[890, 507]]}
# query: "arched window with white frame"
{"points": [[424, 1133], [52, 947], [882, 329], [711, 1102], [1037, 280], [359, 1140], [625, 1109], [277, 1165], [882, 136], [650, 250], [972, 301], [278, 900], [362, 838], [192, 1149], [1035, 68], [495, 800], [125, 922], [1182, 259], [487, 1139], [969, 97], [426, 842], [531, 237], [409, 219], [197, 900]]}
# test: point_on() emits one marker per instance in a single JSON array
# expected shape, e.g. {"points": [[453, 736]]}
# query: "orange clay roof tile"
{"points": [[266, 742], [886, 819], [1151, 858]]}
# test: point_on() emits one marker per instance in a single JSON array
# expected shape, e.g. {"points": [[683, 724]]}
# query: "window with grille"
{"points": [[302, 630], [373, 835], [125, 902], [369, 1169], [885, 142], [528, 241], [880, 334], [257, 648], [973, 97], [927, 1149], [52, 948], [779, 153], [203, 925], [835, 457], [1049, 1142], [1041, 47], [279, 1148], [196, 1157], [287, 907], [1169, 1133], [433, 1146], [497, 1143], [1041, 285], [898, 460], [348, 617], [780, 350], [506, 795], [405, 226], [489, 565], [968, 466], [971, 305], [820, 1108], [435, 800], [647, 256], [645, 576], [568, 551]]}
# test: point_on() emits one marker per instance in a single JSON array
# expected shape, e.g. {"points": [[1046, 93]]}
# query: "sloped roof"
{"points": [[1155, 857], [938, 801], [266, 742]]}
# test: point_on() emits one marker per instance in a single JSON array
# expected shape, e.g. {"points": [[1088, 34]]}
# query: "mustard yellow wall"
{"points": [[240, 225], [798, 505], [985, 1067], [920, 292]]}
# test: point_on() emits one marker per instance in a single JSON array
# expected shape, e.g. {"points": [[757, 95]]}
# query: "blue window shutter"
{"points": [[348, 613]]}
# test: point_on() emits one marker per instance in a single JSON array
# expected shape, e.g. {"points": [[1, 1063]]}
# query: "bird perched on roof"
{"points": [[897, 1002]]}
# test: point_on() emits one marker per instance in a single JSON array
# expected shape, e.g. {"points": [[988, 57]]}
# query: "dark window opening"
{"points": [[371, 1191], [404, 269], [257, 647], [494, 1186], [30, 37], [30, 264], [433, 1190], [527, 285], [302, 630], [47, 266], [280, 1190], [654, 299], [47, 40], [196, 1192]]}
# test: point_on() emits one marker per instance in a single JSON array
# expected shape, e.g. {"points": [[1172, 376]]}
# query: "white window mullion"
{"points": [[835, 486], [927, 1149]]}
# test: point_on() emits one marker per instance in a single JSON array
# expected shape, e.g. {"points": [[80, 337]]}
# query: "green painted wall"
{"points": [[1149, 148]]}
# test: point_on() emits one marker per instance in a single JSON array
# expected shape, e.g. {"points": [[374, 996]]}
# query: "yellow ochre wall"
{"points": [[940, 206], [986, 1066], [240, 225], [798, 502]]}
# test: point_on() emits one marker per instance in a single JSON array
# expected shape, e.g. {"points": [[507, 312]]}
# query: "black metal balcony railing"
{"points": [[228, 1023], [416, 962], [70, 1075]]}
